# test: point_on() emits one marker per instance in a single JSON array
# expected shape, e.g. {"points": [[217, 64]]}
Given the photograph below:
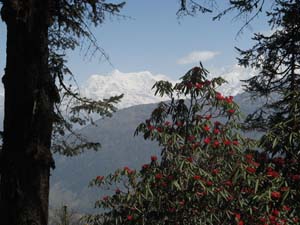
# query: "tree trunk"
{"points": [[26, 158]]}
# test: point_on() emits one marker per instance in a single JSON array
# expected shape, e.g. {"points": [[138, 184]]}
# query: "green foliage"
{"points": [[207, 172], [277, 58], [70, 28]]}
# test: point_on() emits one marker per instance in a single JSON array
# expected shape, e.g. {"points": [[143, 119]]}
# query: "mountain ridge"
{"points": [[137, 86]]}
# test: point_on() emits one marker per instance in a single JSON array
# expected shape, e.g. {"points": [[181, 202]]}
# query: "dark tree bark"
{"points": [[26, 158]]}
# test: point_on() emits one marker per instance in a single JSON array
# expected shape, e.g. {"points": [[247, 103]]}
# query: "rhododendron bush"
{"points": [[208, 173]]}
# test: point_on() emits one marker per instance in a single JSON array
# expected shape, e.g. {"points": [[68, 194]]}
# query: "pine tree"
{"points": [[38, 35], [277, 59]]}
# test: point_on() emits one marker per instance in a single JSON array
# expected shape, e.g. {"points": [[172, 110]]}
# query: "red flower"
{"points": [[191, 138], [129, 217], [128, 170], [209, 183], [200, 193], [216, 144], [228, 183], [275, 212], [181, 203], [279, 161], [272, 218], [256, 164], [207, 140], [249, 157], [189, 84], [151, 128], [216, 131], [296, 177], [99, 178], [275, 194], [231, 111], [296, 219], [263, 220], [164, 184], [118, 191], [215, 171], [190, 159], [167, 123], [158, 176], [229, 99], [179, 124], [230, 198], [171, 209], [217, 123], [153, 158], [105, 198], [145, 166], [235, 142], [207, 82], [232, 152], [251, 170], [159, 129], [237, 216], [170, 177], [198, 117], [284, 188], [196, 145], [198, 85], [273, 174], [197, 177], [196, 69], [227, 142], [286, 208], [206, 128], [219, 96], [208, 117], [246, 190]]}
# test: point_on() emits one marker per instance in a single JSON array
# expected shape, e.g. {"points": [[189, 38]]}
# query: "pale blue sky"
{"points": [[154, 39]]}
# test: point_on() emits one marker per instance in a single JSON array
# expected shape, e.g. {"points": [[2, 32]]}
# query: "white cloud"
{"points": [[197, 56]]}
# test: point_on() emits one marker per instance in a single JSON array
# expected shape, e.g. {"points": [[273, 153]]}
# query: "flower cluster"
{"points": [[207, 173]]}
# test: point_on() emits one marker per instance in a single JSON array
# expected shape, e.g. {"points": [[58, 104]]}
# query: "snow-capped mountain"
{"points": [[233, 75], [136, 86]]}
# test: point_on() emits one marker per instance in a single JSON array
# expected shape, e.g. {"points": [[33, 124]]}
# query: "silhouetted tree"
{"points": [[38, 35], [276, 57]]}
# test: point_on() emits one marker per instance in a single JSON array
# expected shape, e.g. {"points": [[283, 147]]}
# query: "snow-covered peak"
{"points": [[233, 75], [136, 86]]}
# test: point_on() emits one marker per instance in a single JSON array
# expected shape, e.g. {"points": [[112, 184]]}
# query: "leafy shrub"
{"points": [[207, 172]]}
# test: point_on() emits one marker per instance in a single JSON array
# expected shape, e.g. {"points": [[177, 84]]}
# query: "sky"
{"points": [[152, 38]]}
